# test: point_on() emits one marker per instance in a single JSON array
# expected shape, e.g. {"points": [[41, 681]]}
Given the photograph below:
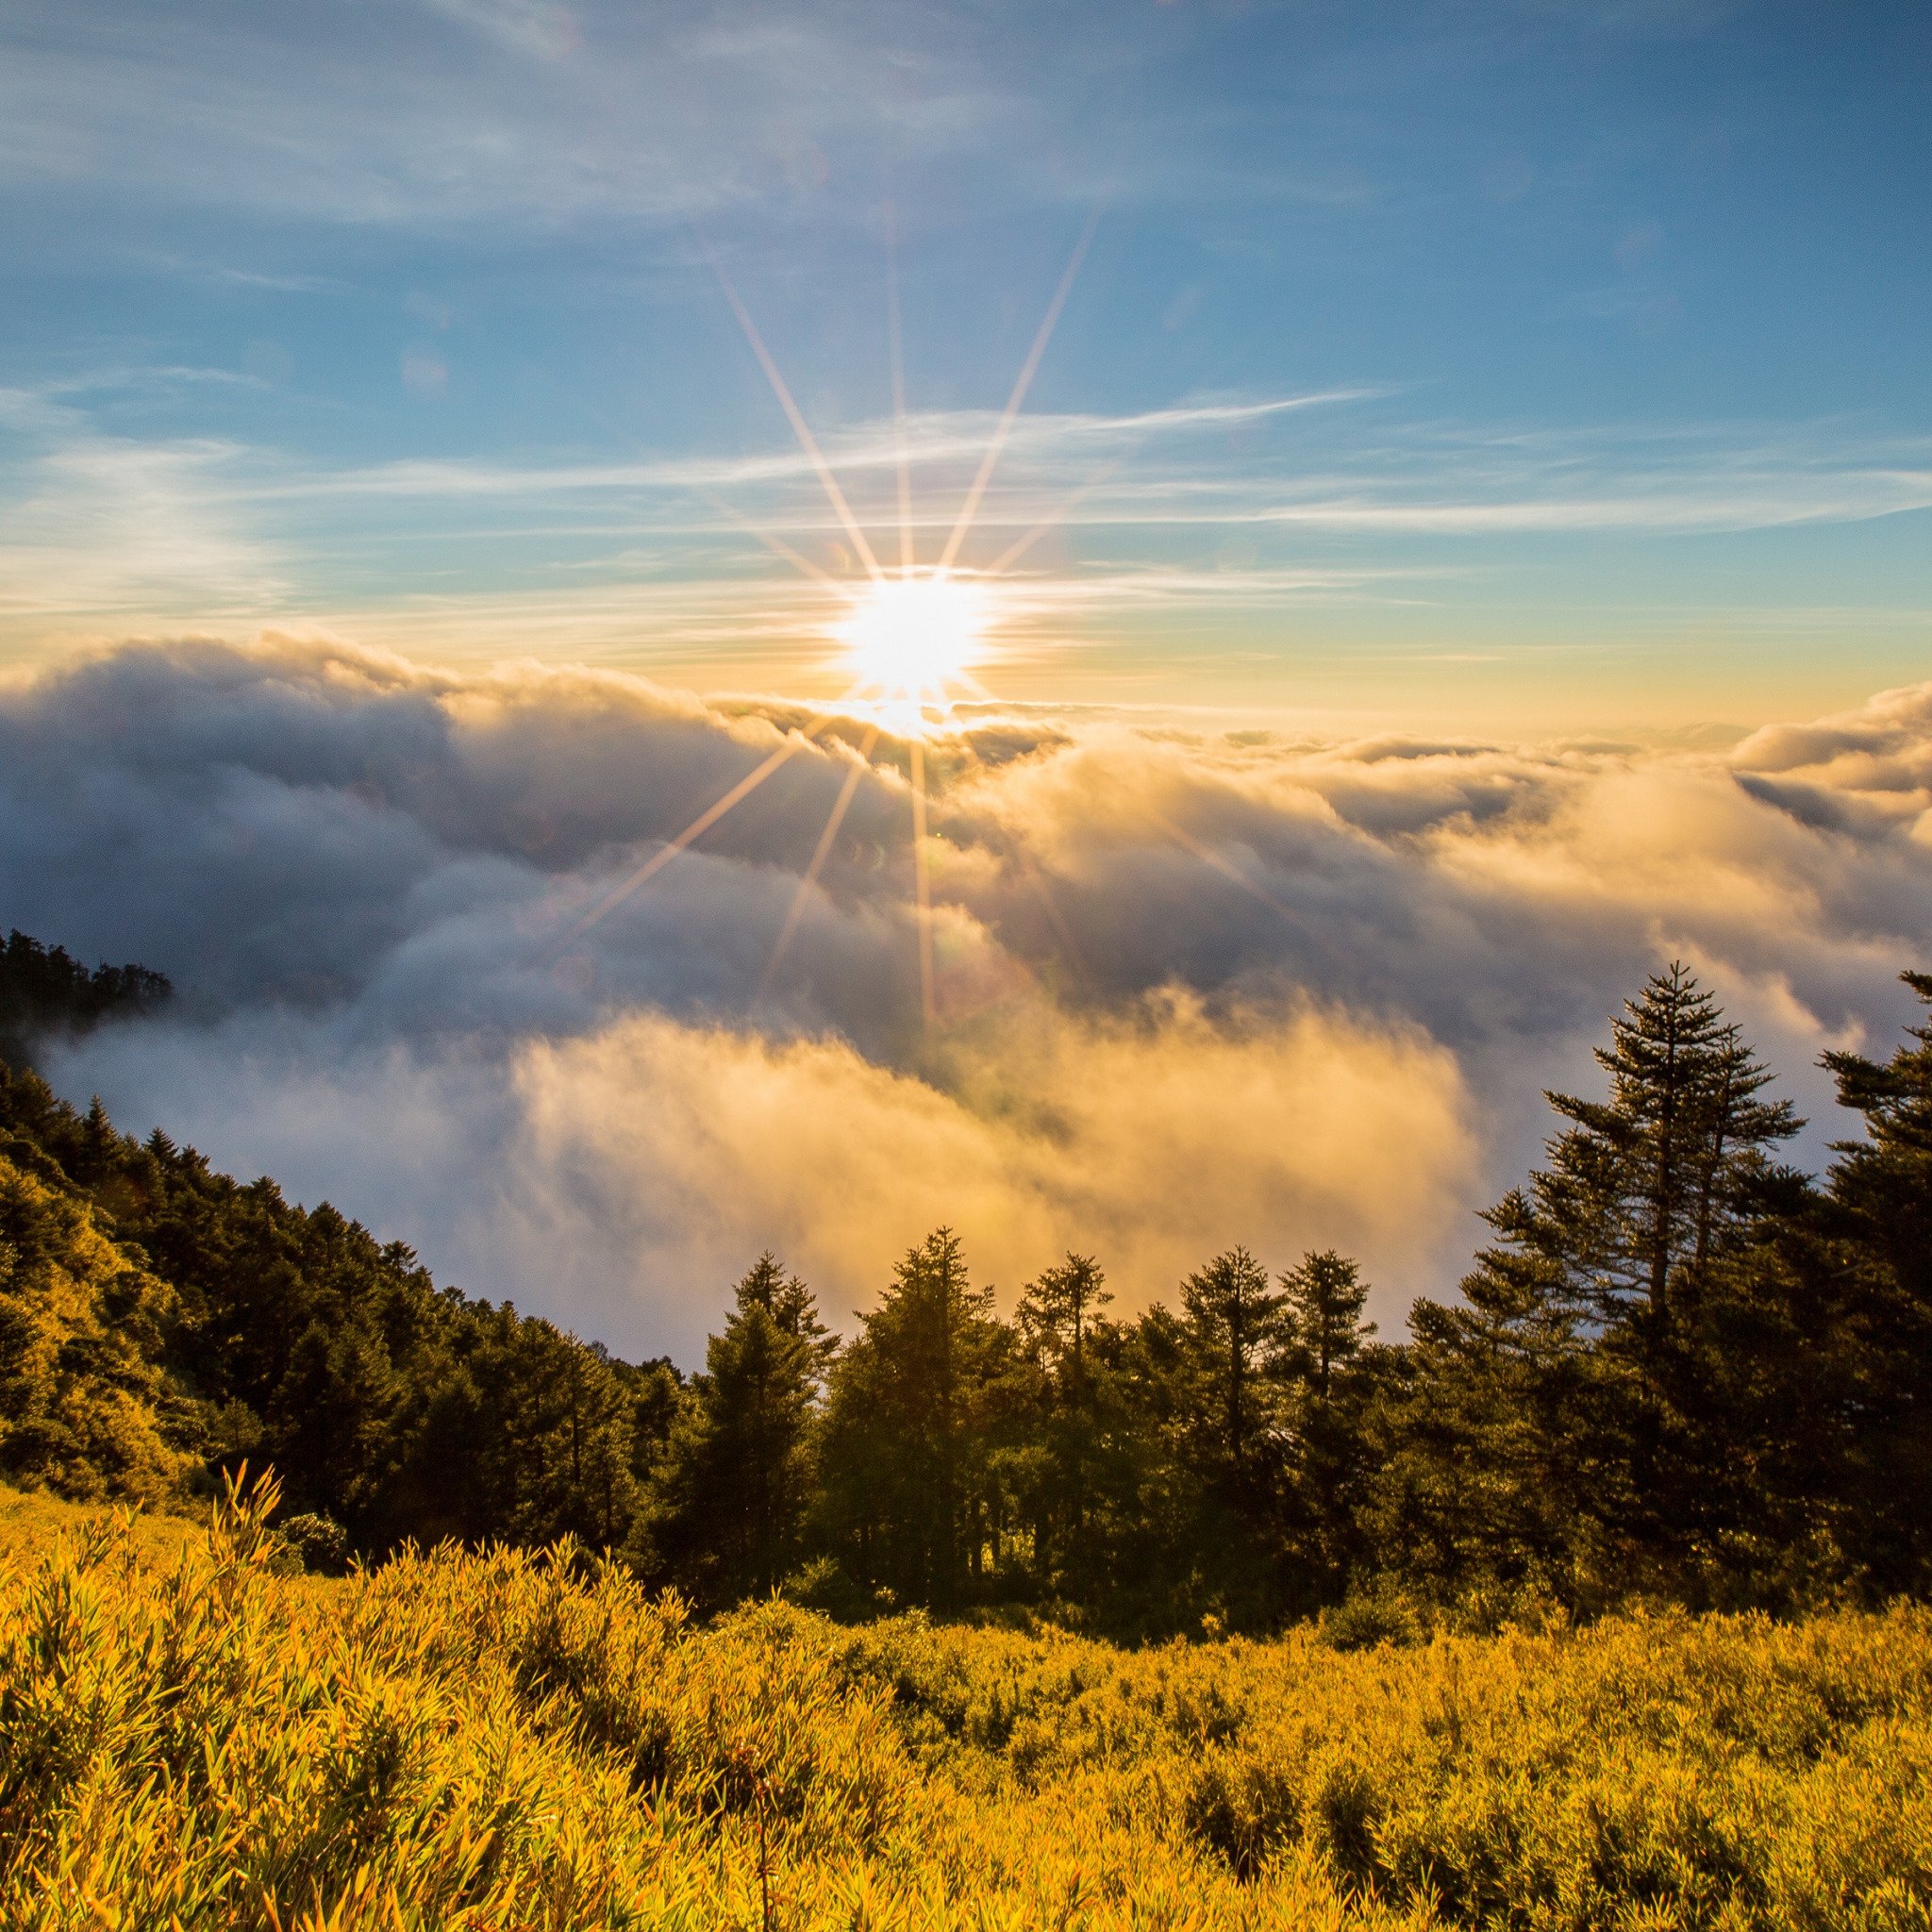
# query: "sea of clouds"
{"points": [[1190, 989]]}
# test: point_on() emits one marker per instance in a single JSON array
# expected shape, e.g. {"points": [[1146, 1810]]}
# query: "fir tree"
{"points": [[791, 1305], [1564, 1429], [731, 1493], [1329, 1394], [1653, 1183], [908, 1429], [1239, 1333], [1326, 1296], [1056, 1319], [1874, 1268]]}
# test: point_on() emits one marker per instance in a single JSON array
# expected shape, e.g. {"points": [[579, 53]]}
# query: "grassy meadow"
{"points": [[192, 1735]]}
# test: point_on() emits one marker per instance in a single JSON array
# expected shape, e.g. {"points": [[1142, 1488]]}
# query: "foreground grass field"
{"points": [[188, 1738]]}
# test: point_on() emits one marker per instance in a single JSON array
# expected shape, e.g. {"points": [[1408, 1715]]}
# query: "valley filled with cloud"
{"points": [[1188, 988]]}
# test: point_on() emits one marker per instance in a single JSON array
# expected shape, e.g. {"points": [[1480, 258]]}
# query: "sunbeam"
{"points": [[796, 741], [777, 545], [896, 338], [821, 852], [908, 637], [1209, 857], [806, 441], [1027, 369]]}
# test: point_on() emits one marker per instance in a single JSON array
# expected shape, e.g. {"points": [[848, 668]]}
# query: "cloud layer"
{"points": [[1190, 989]]}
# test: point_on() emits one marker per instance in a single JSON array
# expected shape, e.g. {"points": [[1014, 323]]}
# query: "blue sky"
{"points": [[1515, 420], [1542, 363]]}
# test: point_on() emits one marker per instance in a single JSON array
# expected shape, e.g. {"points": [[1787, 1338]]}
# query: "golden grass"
{"points": [[503, 1741], [32, 1521]]}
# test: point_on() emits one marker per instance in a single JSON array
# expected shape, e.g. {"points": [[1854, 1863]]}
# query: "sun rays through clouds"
{"points": [[909, 638]]}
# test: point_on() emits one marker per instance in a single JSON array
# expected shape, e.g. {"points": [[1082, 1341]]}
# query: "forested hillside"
{"points": [[44, 990], [1679, 1371]]}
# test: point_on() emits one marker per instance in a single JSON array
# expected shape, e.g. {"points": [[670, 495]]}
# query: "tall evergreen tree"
{"points": [[1651, 1184], [909, 1430], [1239, 1333], [1059, 1310], [1875, 1269], [731, 1495], [792, 1305], [1567, 1388], [1324, 1298], [1329, 1394], [1056, 1319]]}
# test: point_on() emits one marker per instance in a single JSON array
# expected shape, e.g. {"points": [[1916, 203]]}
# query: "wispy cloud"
{"points": [[1210, 504], [542, 112], [100, 524]]}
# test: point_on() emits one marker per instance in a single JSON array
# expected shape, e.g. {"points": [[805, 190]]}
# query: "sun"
{"points": [[911, 633]]}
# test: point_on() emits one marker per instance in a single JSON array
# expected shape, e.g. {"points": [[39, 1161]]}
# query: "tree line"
{"points": [[44, 990], [1679, 1369]]}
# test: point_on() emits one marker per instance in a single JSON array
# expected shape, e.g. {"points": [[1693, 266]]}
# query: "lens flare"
{"points": [[912, 635]]}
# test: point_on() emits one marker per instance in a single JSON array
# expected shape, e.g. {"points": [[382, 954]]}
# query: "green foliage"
{"points": [[1679, 1373], [731, 1492], [316, 1543], [916, 1414], [150, 1308], [44, 990], [1239, 1332], [1565, 1423], [83, 1407]]}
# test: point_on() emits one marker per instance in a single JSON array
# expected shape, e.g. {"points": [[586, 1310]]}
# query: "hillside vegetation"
{"points": [[504, 1738], [1532, 1546], [1680, 1372]]}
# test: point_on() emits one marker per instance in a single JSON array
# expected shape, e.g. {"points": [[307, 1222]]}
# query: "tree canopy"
{"points": [[1678, 1368]]}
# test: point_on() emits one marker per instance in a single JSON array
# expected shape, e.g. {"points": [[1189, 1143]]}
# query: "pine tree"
{"points": [[1559, 1424], [791, 1305], [909, 1430], [1329, 1395], [1653, 1184], [1238, 1328], [1875, 1270], [1057, 1311], [1326, 1296], [731, 1492], [1056, 1319], [1885, 1181]]}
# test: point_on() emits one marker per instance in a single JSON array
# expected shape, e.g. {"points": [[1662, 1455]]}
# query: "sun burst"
{"points": [[911, 636], [912, 633]]}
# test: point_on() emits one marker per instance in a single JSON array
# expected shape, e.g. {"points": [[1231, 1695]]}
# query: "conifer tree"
{"points": [[1651, 1185], [1326, 1296], [1556, 1421], [1327, 1334], [1874, 1268], [1055, 1317], [1239, 1333], [731, 1493], [1885, 1181], [909, 1429], [791, 1305], [1058, 1310]]}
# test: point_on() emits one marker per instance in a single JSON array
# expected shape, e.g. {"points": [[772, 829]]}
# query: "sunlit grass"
{"points": [[499, 1740]]}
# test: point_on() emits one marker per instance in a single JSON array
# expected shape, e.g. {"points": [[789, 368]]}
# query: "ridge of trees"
{"points": [[45, 990], [1679, 1369], [291, 1337]]}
